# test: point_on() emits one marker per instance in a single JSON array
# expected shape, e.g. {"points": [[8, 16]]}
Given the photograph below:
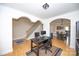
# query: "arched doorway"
{"points": [[23, 29], [20, 26], [61, 29]]}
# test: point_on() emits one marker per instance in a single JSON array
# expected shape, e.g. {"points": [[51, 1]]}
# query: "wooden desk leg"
{"points": [[51, 43], [37, 49], [31, 45]]}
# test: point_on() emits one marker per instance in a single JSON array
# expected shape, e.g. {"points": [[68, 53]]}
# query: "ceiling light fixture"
{"points": [[45, 6]]}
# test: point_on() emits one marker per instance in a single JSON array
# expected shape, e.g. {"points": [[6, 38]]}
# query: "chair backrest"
{"points": [[58, 34], [37, 34], [49, 43], [51, 35], [43, 32]]}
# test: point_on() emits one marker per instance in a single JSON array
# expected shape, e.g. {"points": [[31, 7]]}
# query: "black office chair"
{"points": [[37, 34], [77, 47], [48, 44], [43, 33], [50, 38], [58, 35]]}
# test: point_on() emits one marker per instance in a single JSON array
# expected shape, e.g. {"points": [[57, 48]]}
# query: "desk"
{"points": [[38, 41]]}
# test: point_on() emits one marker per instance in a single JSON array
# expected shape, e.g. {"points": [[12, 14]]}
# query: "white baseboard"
{"points": [[3, 52], [19, 38]]}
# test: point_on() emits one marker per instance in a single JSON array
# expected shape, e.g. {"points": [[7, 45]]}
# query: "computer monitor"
{"points": [[43, 32]]}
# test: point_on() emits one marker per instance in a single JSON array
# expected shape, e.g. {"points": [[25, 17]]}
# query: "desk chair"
{"points": [[48, 44], [43, 33], [37, 34]]}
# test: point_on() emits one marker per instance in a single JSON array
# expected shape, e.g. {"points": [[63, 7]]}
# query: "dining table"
{"points": [[38, 41]]}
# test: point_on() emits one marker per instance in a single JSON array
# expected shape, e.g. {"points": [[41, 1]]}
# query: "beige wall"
{"points": [[20, 27], [54, 24]]}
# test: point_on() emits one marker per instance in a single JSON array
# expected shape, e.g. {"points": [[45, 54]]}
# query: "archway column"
{"points": [[73, 34], [46, 27]]}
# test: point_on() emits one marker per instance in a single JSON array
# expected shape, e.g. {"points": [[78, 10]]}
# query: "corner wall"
{"points": [[5, 32]]}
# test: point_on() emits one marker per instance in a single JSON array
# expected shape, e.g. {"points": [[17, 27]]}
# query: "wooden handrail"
{"points": [[32, 28]]}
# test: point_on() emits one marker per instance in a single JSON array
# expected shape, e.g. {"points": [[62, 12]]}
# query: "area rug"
{"points": [[55, 52]]}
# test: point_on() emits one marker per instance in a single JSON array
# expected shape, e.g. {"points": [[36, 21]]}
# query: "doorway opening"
{"points": [[61, 29]]}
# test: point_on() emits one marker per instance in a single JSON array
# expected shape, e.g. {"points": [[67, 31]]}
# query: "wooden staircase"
{"points": [[32, 28]]}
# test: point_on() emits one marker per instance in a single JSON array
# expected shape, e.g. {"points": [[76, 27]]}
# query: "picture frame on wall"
{"points": [[59, 27]]}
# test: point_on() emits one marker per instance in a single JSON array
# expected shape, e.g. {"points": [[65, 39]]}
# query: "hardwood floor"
{"points": [[21, 49], [66, 50]]}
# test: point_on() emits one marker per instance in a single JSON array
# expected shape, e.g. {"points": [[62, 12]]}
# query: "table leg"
{"points": [[37, 49], [31, 45], [51, 43]]}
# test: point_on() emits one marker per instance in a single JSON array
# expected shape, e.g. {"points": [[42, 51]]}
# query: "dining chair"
{"points": [[48, 43], [37, 34]]}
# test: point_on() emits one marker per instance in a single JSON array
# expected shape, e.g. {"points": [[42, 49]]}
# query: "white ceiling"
{"points": [[36, 9]]}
